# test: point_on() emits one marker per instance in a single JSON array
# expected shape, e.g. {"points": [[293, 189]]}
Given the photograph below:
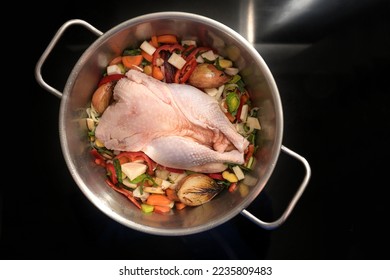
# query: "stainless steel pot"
{"points": [[82, 82]]}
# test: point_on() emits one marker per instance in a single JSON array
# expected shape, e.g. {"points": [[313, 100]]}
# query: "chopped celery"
{"points": [[146, 208]]}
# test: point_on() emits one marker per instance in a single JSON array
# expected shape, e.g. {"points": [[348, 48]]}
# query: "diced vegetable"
{"points": [[147, 47], [157, 73], [114, 69], [162, 209], [133, 169], [154, 42], [250, 162], [211, 91], [158, 190], [238, 171], [253, 122], [244, 112], [147, 56], [232, 101], [127, 183], [90, 124], [180, 205], [225, 63], [172, 195], [188, 43], [177, 60], [209, 55], [167, 39], [231, 177], [146, 208], [165, 184], [116, 60], [139, 193], [231, 71], [159, 200], [148, 70], [129, 61]]}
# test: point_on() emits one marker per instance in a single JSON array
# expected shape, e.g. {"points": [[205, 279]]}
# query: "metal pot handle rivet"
{"points": [[50, 47], [294, 200]]}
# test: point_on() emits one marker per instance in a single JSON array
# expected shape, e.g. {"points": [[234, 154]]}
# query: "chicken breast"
{"points": [[176, 125]]}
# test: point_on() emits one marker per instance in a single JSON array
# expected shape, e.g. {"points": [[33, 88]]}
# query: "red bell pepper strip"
{"points": [[109, 78], [195, 52], [125, 192], [187, 51], [243, 100], [133, 156], [111, 170], [99, 159], [216, 176], [185, 72], [170, 48], [96, 154]]}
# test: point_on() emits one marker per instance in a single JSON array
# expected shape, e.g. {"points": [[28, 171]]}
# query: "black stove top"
{"points": [[330, 60]]}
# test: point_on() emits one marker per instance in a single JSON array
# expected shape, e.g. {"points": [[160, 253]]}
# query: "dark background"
{"points": [[330, 60]]}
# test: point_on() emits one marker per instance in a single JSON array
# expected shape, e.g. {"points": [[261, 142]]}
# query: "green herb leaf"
{"points": [[118, 169]]}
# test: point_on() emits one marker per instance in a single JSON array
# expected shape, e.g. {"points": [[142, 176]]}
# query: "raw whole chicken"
{"points": [[176, 125]]}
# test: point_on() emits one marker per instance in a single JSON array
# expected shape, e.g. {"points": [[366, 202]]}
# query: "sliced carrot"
{"points": [[159, 200], [180, 205], [157, 73], [172, 195], [230, 116], [129, 61], [147, 56], [249, 152], [154, 41], [116, 60], [167, 39], [161, 209], [233, 187]]}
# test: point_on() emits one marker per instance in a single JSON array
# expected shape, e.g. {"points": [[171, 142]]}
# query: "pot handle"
{"points": [[294, 200], [49, 48]]}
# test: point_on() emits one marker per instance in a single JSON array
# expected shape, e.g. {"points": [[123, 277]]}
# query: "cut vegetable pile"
{"points": [[150, 186]]}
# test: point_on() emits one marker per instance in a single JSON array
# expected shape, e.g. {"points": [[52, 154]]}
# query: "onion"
{"points": [[207, 75], [197, 189]]}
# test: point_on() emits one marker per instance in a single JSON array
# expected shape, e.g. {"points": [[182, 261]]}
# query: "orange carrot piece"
{"points": [[157, 73], [180, 205], [130, 61], [167, 39], [116, 60], [159, 200], [233, 187], [172, 195], [161, 209], [154, 41], [249, 152], [147, 56], [230, 116]]}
